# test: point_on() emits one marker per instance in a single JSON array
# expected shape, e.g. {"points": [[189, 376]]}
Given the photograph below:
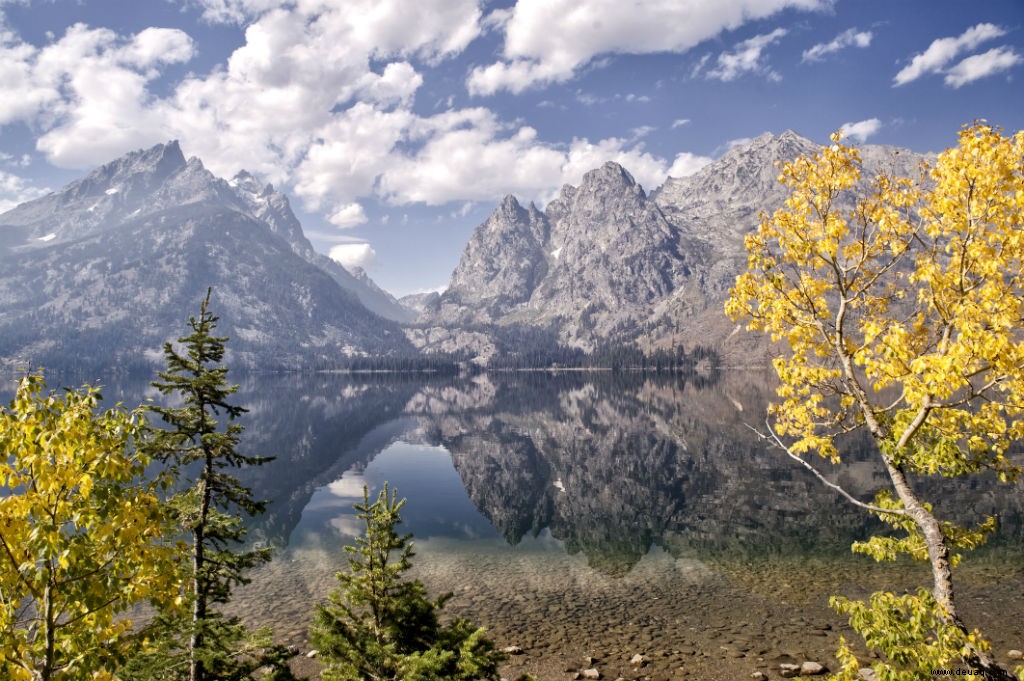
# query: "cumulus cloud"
{"points": [[466, 155], [353, 255], [234, 11], [687, 164], [15, 190], [471, 155], [649, 170], [679, 122], [351, 151], [944, 50], [302, 64], [982, 65], [319, 98], [88, 90], [348, 215], [536, 51], [153, 46], [861, 130], [848, 38], [747, 58], [397, 84]]}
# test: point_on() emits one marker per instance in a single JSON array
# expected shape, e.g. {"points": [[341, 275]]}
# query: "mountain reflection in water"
{"points": [[610, 465]]}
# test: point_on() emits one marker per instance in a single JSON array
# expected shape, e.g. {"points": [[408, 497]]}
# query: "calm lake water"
{"points": [[590, 514]]}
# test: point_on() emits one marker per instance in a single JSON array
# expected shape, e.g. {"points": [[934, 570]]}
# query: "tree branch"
{"points": [[773, 439]]}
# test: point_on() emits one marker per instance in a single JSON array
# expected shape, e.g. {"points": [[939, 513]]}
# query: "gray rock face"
{"points": [[111, 266], [593, 262], [273, 208], [617, 256], [421, 303], [500, 267], [606, 262]]}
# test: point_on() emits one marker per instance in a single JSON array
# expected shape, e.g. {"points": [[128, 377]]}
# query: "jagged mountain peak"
{"points": [[610, 171], [510, 207], [105, 269], [246, 181], [766, 146], [148, 167], [610, 176], [137, 184]]}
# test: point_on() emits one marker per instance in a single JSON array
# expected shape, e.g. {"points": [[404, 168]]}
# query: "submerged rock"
{"points": [[810, 668], [788, 670]]}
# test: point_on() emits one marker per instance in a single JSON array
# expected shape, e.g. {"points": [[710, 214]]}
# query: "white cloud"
{"points": [[158, 46], [348, 526], [732, 144], [537, 52], [96, 85], [302, 65], [23, 94], [89, 79], [348, 216], [318, 98], [944, 50], [649, 170], [747, 58], [350, 152], [15, 190], [348, 486], [848, 38], [396, 84], [353, 255], [234, 11], [982, 65], [679, 122], [468, 156], [687, 164], [861, 130]]}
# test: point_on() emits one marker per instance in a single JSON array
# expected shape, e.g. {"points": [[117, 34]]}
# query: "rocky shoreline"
{"points": [[667, 619]]}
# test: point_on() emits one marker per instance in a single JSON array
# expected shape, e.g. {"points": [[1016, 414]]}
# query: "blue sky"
{"points": [[396, 125]]}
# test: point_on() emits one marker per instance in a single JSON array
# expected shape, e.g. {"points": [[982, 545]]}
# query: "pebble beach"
{"points": [[667, 618]]}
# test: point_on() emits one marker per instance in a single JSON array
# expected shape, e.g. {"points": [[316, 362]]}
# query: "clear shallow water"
{"points": [[588, 514]]}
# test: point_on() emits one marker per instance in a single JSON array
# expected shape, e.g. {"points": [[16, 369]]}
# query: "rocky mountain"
{"points": [[421, 302], [112, 265], [370, 295], [607, 262]]}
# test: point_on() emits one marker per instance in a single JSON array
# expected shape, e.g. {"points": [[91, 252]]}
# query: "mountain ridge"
{"points": [[605, 262], [115, 263]]}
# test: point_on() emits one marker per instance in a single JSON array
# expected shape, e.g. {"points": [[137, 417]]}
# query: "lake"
{"points": [[591, 514]]}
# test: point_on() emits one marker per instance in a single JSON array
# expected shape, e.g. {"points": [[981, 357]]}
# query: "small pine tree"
{"points": [[379, 626], [209, 509]]}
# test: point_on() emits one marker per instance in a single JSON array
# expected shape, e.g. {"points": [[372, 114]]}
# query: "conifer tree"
{"points": [[209, 508], [377, 625]]}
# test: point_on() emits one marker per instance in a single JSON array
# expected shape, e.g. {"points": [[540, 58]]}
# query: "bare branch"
{"points": [[773, 439]]}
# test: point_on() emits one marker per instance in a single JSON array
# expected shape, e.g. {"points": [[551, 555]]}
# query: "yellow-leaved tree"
{"points": [[82, 537], [903, 310]]}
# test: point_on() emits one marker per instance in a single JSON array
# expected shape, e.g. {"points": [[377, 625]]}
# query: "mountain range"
{"points": [[109, 267], [606, 262]]}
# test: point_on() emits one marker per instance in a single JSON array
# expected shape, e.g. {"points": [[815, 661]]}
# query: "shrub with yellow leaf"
{"points": [[82, 537]]}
